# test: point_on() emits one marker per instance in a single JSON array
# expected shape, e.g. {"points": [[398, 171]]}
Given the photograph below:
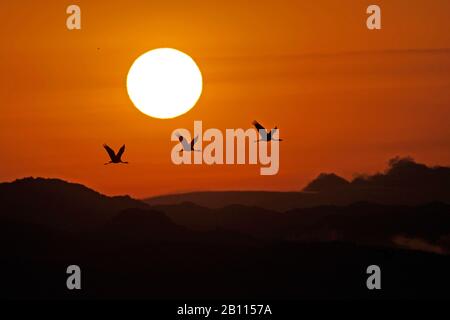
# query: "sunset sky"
{"points": [[346, 99]]}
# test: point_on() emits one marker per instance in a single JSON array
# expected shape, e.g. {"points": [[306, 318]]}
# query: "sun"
{"points": [[164, 83]]}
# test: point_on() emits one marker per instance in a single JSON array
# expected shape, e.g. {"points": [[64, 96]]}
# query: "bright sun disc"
{"points": [[164, 83]]}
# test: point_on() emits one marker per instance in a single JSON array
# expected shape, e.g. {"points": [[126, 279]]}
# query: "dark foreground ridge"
{"points": [[128, 249]]}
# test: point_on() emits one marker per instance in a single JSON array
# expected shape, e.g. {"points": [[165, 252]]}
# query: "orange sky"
{"points": [[346, 99]]}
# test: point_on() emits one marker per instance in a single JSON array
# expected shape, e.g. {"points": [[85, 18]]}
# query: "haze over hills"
{"points": [[404, 182], [236, 251], [425, 227], [59, 205]]}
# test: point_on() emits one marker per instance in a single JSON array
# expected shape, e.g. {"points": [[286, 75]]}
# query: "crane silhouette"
{"points": [[186, 145], [115, 157], [266, 135]]}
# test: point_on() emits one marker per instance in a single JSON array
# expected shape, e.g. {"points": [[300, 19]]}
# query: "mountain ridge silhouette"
{"points": [[59, 203], [404, 182], [129, 249]]}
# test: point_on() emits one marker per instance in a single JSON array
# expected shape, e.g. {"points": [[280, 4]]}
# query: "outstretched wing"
{"points": [[183, 141], [121, 151], [110, 151], [259, 127], [194, 141]]}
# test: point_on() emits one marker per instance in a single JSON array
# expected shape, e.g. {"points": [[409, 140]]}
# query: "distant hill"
{"points": [[253, 221], [279, 201], [128, 249], [425, 227], [327, 182], [56, 203], [405, 182]]}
